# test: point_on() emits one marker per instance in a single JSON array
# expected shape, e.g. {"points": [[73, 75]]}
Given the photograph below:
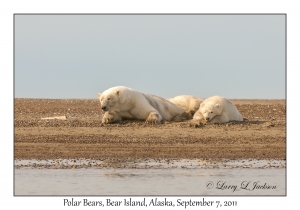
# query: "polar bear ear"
{"points": [[99, 95], [118, 92], [217, 105]]}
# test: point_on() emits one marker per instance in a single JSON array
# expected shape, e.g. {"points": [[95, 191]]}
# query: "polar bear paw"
{"points": [[198, 118], [107, 118], [153, 118], [182, 117]]}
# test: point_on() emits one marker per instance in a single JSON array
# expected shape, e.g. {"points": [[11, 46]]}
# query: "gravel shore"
{"points": [[81, 135]]}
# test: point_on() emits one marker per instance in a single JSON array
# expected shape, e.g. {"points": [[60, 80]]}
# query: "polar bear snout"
{"points": [[104, 108], [106, 105], [207, 118]]}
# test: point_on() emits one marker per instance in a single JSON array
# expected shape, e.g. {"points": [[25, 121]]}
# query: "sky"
{"points": [[77, 56]]}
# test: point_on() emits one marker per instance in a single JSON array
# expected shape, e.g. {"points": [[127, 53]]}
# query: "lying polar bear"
{"points": [[217, 109], [189, 103], [123, 102]]}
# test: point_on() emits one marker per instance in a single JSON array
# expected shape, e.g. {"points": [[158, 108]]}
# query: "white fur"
{"points": [[217, 109], [123, 102], [189, 103]]}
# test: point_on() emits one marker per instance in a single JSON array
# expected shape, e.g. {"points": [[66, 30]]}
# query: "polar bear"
{"points": [[123, 102], [189, 103], [217, 109]]}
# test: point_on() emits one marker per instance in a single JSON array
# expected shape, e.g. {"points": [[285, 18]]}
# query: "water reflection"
{"points": [[149, 181]]}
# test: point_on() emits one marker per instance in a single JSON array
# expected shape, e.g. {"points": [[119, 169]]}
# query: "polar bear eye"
{"points": [[108, 99], [211, 112]]}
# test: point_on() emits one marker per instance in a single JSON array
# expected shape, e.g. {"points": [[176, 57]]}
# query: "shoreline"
{"points": [[149, 163]]}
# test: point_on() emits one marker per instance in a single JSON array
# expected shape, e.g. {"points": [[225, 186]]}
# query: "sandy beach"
{"points": [[81, 135]]}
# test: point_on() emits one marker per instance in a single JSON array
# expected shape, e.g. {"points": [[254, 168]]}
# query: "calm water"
{"points": [[237, 181]]}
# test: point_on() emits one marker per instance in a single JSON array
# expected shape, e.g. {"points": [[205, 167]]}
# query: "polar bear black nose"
{"points": [[207, 118], [103, 107]]}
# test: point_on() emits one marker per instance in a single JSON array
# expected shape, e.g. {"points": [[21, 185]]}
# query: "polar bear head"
{"points": [[210, 109], [108, 99]]}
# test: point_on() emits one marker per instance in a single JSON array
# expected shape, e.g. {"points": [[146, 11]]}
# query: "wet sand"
{"points": [[81, 135], [149, 163]]}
